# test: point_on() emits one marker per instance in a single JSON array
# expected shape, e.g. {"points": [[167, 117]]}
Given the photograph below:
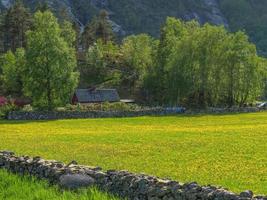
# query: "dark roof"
{"points": [[97, 95]]}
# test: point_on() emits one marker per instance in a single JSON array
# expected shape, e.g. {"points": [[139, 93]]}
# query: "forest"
{"points": [[45, 58]]}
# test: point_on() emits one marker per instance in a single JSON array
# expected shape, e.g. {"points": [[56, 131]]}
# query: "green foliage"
{"points": [[101, 67], [137, 57], [12, 70], [171, 33], [41, 6], [16, 22], [119, 106], [50, 76], [98, 29], [191, 64], [5, 109], [106, 106], [123, 66], [84, 10], [27, 108], [8, 63], [68, 33], [205, 66], [14, 187]]}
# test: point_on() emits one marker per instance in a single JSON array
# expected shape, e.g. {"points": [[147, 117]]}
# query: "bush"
{"points": [[27, 108], [5, 109], [117, 106]]}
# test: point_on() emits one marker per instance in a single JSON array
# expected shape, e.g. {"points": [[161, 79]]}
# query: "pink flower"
{"points": [[3, 101]]}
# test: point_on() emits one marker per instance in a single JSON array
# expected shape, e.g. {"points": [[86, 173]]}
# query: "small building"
{"points": [[95, 96]]}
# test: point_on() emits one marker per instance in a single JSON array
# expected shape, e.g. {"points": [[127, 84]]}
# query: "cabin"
{"points": [[85, 96]]}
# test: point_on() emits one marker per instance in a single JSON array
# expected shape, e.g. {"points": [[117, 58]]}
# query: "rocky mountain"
{"points": [[138, 16]]}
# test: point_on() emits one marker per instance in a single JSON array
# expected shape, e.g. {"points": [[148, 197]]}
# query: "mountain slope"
{"points": [[137, 16]]}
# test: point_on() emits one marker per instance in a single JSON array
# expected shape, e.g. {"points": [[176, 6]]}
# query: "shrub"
{"points": [[106, 106], [116, 107], [27, 108], [5, 109]]}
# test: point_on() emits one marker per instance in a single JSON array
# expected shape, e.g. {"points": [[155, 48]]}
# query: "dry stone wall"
{"points": [[121, 183], [35, 115], [54, 115]]}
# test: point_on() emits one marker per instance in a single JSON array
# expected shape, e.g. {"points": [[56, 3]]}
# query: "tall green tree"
{"points": [[138, 53], [17, 21], [1, 33], [12, 69], [205, 66], [42, 6], [243, 71], [68, 33], [50, 73], [172, 34], [102, 66], [99, 28]]}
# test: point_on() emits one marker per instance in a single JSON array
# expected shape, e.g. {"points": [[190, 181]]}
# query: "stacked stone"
{"points": [[225, 110], [43, 115], [121, 183]]}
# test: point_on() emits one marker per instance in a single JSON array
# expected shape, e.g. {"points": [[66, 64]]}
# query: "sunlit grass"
{"points": [[227, 150], [13, 187]]}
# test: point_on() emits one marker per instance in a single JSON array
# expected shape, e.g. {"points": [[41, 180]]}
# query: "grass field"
{"points": [[227, 150], [15, 188]]}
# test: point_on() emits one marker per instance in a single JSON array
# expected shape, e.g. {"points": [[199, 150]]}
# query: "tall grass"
{"points": [[13, 187]]}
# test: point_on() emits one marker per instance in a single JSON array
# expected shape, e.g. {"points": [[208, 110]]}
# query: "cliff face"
{"points": [[215, 14], [137, 16]]}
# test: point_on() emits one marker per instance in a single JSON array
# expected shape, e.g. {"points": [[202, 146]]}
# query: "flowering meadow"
{"points": [[226, 150]]}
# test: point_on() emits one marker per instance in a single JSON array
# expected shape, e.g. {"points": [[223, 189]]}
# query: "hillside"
{"points": [[137, 16]]}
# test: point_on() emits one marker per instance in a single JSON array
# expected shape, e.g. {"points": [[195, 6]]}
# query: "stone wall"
{"points": [[35, 115], [121, 183], [53, 115], [225, 110]]}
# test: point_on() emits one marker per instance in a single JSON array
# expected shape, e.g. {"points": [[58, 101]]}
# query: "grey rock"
{"points": [[247, 194], [72, 163], [7, 152], [75, 181], [260, 197]]}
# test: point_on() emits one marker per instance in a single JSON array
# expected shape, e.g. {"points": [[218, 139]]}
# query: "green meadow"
{"points": [[226, 150], [13, 187]]}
